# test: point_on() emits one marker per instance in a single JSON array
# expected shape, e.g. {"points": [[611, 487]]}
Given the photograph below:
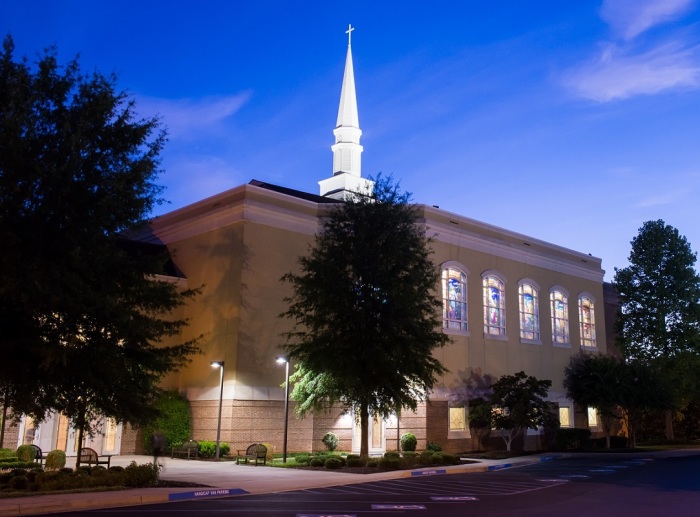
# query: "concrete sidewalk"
{"points": [[244, 479]]}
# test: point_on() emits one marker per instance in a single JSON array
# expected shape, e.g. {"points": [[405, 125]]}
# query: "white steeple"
{"points": [[347, 151]]}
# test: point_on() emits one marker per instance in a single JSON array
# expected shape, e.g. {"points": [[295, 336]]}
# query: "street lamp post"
{"points": [[284, 360], [219, 364]]}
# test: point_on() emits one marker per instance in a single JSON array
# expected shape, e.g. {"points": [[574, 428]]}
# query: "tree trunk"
{"points": [[4, 419], [669, 424], [364, 431]]}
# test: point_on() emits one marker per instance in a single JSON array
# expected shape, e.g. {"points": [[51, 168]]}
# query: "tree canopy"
{"points": [[82, 309], [659, 295], [364, 312], [519, 402], [659, 316]]}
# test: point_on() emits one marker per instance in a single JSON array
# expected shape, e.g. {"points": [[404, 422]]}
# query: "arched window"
{"points": [[454, 299], [586, 318], [494, 306], [529, 311], [559, 301]]}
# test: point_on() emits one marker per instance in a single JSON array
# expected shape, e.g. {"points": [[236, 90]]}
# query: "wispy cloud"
{"points": [[630, 19], [188, 118], [632, 65], [618, 74]]}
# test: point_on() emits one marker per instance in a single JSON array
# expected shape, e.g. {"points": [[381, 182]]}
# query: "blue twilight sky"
{"points": [[569, 121]]}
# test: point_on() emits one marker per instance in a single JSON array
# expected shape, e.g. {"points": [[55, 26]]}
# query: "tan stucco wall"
{"points": [[238, 249]]}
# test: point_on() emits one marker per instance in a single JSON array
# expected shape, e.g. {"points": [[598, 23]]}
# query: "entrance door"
{"points": [[376, 437], [41, 434], [112, 436]]}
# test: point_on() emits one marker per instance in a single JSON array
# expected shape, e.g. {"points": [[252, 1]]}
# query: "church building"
{"points": [[511, 302]]}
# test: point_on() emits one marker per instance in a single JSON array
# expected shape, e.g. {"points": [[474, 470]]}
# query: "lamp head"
{"points": [[217, 364], [281, 359]]}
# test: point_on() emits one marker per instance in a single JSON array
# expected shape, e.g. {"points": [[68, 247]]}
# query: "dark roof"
{"points": [[294, 193]]}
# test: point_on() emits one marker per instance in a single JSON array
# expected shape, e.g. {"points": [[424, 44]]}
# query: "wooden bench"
{"points": [[90, 456], [38, 455], [255, 452], [190, 449]]}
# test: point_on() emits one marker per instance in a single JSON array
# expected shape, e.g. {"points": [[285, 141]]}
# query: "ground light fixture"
{"points": [[285, 361], [219, 364]]}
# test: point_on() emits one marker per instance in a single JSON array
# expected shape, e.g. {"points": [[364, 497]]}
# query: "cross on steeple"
{"points": [[349, 33]]}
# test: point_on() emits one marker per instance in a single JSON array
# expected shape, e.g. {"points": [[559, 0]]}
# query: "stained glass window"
{"points": [[458, 419], [494, 306], [586, 318], [529, 312], [564, 416], [560, 316], [592, 417], [454, 299]]}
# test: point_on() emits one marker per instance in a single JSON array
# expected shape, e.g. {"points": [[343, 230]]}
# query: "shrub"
{"points": [[392, 454], [425, 458], [141, 476], [409, 460], [437, 459], [572, 439], [172, 420], [207, 449], [316, 462], [270, 451], [302, 459], [408, 442], [433, 446], [19, 482], [330, 440], [449, 459], [354, 462], [390, 463], [55, 460], [373, 464], [333, 463], [26, 453]]}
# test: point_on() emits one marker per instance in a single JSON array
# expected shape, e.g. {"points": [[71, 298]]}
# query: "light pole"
{"points": [[284, 360], [219, 364]]}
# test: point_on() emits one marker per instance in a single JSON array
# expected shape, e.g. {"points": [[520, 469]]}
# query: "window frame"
{"points": [[449, 325], [500, 326], [588, 343], [535, 293], [559, 338]]}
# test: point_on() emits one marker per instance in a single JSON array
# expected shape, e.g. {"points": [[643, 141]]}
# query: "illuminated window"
{"points": [[529, 312], [454, 299], [494, 306], [564, 416], [586, 317], [458, 419], [592, 417], [560, 316]]}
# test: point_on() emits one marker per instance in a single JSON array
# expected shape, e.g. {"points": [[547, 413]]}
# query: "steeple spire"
{"points": [[347, 151]]}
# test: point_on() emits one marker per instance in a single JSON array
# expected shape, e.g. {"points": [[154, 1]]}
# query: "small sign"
{"points": [[428, 472], [212, 492], [398, 507], [326, 515], [499, 467], [454, 498]]}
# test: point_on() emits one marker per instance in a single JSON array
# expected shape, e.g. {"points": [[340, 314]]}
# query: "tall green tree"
{"points": [[596, 381], [83, 310], [518, 402], [659, 295], [364, 311]]}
